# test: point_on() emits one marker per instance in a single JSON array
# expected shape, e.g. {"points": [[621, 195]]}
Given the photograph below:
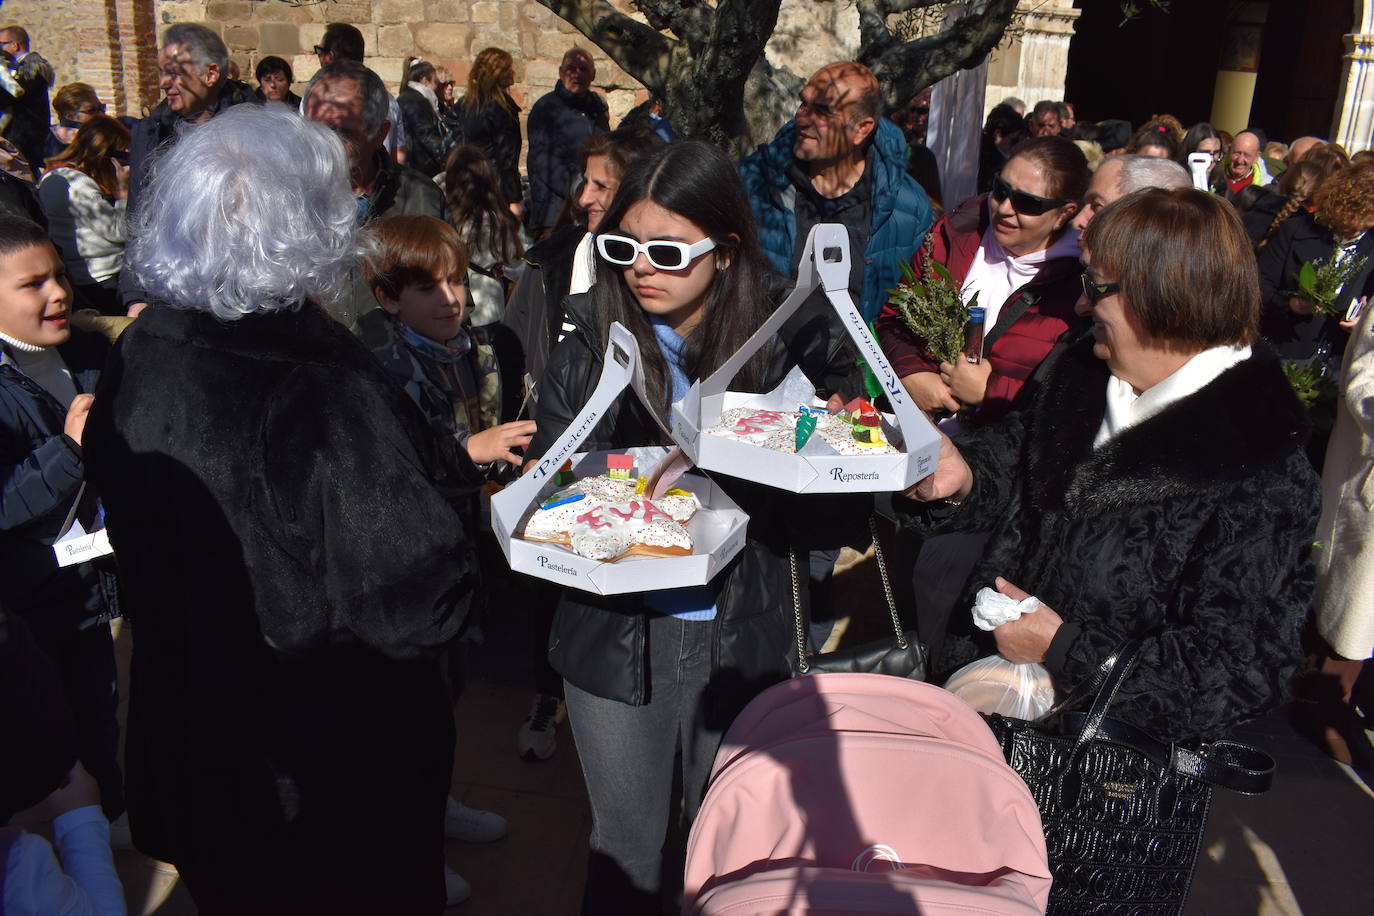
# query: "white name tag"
{"points": [[82, 547]]}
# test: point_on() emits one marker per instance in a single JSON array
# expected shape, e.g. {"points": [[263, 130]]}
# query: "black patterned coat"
{"points": [[1192, 530]]}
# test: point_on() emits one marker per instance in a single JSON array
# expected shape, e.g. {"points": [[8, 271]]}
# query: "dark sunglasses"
{"points": [[1024, 202], [1095, 291], [320, 49]]}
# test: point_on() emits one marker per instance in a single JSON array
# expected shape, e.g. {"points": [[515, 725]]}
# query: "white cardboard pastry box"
{"points": [[820, 466], [717, 528]]}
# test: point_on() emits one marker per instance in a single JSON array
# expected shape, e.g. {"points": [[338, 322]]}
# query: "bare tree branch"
{"points": [[665, 15], [697, 56], [901, 6], [643, 52], [905, 68]]}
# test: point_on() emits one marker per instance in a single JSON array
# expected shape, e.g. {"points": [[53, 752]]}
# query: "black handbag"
{"points": [[1123, 812], [899, 655]]}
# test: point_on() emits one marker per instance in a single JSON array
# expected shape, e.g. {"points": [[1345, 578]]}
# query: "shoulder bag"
{"points": [[900, 655], [1123, 812]]}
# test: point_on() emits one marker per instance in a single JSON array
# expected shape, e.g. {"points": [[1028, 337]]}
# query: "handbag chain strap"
{"points": [[887, 585], [802, 665]]}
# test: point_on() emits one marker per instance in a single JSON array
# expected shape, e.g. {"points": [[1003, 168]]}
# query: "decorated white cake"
{"points": [[855, 430], [605, 518]]}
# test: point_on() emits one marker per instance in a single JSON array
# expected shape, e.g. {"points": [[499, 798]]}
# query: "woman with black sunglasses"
{"points": [[678, 264], [1015, 247]]}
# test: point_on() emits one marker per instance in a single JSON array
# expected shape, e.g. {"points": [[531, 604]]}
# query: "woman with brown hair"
{"points": [[1156, 490], [1016, 248], [84, 196], [491, 119], [490, 231], [1340, 222], [1297, 186], [1157, 138]]}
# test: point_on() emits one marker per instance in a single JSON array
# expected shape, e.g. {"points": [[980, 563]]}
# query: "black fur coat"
{"points": [[1191, 530], [291, 571]]}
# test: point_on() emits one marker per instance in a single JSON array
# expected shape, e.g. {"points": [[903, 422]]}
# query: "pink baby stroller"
{"points": [[864, 793]]}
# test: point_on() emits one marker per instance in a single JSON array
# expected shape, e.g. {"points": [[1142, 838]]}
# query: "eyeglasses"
{"points": [[1095, 291], [662, 254], [1024, 202], [320, 49]]}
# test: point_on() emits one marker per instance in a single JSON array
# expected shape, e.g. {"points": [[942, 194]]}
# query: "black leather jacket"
{"points": [[424, 133], [599, 642]]}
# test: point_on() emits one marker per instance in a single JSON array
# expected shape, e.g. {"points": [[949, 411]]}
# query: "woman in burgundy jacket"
{"points": [[1016, 248]]}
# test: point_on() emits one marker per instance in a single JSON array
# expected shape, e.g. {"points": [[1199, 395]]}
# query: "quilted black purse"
{"points": [[900, 655], [1123, 812]]}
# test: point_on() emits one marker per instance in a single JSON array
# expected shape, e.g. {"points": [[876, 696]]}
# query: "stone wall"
{"points": [[49, 24], [448, 33]]}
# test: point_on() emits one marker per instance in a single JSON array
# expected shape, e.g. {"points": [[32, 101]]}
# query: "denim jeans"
{"points": [[627, 755]]}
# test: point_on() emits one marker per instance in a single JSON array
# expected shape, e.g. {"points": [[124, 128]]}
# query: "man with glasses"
{"points": [[352, 100], [26, 97], [342, 41], [193, 74], [559, 124], [839, 161]]}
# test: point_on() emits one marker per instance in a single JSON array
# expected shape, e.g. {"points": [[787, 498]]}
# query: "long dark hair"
{"points": [[476, 207], [698, 182], [1194, 137]]}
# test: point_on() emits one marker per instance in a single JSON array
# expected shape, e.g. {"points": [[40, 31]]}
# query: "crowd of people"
{"points": [[276, 350]]}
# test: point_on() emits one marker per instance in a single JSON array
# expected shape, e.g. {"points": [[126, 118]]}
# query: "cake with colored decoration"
{"points": [[609, 516], [855, 430]]}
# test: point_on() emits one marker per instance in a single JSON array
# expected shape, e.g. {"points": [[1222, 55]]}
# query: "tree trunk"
{"points": [[707, 63]]}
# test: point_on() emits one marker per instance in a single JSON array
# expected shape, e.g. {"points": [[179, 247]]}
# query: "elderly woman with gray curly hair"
{"points": [[291, 562]]}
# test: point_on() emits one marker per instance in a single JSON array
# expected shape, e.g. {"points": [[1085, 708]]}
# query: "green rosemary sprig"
{"points": [[930, 305], [1320, 281]]}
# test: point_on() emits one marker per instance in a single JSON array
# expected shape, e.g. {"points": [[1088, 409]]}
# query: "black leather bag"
{"points": [[900, 655], [1123, 812]]}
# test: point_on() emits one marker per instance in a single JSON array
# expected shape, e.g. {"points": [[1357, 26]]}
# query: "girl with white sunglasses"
{"points": [[646, 675]]}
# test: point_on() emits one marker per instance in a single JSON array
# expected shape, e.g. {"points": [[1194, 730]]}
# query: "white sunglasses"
{"points": [[662, 254]]}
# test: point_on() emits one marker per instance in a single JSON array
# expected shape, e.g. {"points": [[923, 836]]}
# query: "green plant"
{"points": [[930, 305], [1313, 388], [1320, 281]]}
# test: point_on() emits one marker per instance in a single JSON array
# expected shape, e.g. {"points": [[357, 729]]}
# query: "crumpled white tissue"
{"points": [[991, 608]]}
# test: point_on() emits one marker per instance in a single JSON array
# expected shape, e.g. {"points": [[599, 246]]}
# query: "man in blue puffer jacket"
{"points": [[840, 161]]}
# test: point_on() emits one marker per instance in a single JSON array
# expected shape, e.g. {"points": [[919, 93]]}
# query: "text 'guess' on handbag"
{"points": [[1123, 812], [900, 655]]}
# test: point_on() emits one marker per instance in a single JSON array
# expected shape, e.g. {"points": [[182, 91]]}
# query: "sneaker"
{"points": [[471, 825], [538, 734], [455, 887]]}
